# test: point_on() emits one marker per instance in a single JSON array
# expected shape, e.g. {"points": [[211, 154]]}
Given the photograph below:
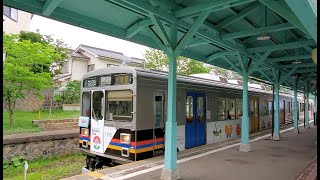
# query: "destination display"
{"points": [[90, 82], [122, 79], [114, 79]]}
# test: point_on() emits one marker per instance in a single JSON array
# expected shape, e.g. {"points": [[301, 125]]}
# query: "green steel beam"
{"points": [[307, 14], [307, 70], [275, 15], [182, 25], [49, 6], [309, 49], [285, 12], [230, 5], [158, 40], [259, 62], [191, 32], [282, 46], [232, 64], [246, 11], [266, 76], [276, 75], [160, 30], [243, 63], [137, 27], [273, 28], [298, 65], [283, 78], [289, 58], [170, 162], [197, 42], [201, 7], [214, 56]]}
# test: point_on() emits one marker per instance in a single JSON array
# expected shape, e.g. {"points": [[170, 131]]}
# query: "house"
{"points": [[87, 58], [15, 20]]}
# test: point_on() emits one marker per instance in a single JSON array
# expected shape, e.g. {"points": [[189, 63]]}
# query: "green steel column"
{"points": [[295, 115], [245, 146], [276, 113], [170, 162], [307, 106]]}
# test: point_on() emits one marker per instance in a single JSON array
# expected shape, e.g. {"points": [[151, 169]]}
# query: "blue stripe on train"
{"points": [[82, 138], [138, 147]]}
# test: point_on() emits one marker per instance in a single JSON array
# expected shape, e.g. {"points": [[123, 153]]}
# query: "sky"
{"points": [[74, 36]]}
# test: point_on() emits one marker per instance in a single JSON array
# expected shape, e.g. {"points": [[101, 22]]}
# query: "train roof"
{"points": [[195, 79]]}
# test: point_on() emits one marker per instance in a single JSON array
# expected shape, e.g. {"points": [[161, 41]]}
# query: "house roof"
{"points": [[109, 54], [79, 55]]}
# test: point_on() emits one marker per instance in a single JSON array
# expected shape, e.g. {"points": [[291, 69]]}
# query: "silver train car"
{"points": [[123, 113]]}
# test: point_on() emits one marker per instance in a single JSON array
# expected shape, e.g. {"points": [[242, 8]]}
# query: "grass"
{"points": [[50, 168], [22, 121]]}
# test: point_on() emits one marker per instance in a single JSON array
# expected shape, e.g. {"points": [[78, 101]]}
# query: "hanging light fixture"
{"points": [[264, 36]]}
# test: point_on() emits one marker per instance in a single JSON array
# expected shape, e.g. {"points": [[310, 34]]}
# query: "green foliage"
{"points": [[23, 120], [48, 168], [18, 75], [18, 161], [72, 93], [58, 45], [156, 59], [6, 164]]}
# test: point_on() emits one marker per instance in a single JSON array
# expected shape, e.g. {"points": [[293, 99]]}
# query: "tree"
{"points": [[18, 75], [156, 59], [58, 45]]}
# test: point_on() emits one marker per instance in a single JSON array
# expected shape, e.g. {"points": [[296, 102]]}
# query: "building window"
{"points": [[221, 109], [65, 67], [10, 13], [90, 67], [112, 65]]}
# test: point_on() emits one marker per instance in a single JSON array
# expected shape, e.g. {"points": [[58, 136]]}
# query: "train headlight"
{"points": [[125, 138], [85, 132]]}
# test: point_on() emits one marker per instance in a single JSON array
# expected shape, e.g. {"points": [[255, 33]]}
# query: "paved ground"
{"points": [[283, 160]]}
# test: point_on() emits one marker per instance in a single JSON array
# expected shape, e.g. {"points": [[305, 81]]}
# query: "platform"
{"points": [[284, 159]]}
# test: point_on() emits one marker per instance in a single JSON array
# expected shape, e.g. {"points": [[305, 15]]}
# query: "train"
{"points": [[123, 113]]}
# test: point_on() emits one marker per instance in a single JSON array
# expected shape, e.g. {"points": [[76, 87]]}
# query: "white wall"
{"points": [[12, 27], [79, 68]]}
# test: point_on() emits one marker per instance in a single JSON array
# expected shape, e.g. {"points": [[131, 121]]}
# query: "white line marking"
{"points": [[191, 158]]}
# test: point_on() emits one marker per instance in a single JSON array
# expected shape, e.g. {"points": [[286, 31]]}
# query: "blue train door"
{"points": [[195, 119]]}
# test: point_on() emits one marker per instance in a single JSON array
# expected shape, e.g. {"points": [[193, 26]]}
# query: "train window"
{"points": [[265, 111], [239, 108], [270, 104], [86, 104], [231, 108], [158, 111], [120, 105], [289, 107], [97, 105], [200, 110], [221, 109], [189, 109]]}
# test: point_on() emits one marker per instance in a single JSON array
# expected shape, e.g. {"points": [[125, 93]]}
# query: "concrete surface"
{"points": [[283, 160]]}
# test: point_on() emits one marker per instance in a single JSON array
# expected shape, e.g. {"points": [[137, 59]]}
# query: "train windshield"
{"points": [[98, 105], [119, 105]]}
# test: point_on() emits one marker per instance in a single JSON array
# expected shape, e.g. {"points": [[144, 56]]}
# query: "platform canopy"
{"points": [[275, 35]]}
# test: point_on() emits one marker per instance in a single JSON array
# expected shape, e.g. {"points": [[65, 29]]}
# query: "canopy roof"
{"points": [[223, 29]]}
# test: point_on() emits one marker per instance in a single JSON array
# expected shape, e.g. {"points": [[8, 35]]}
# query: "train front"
{"points": [[108, 119]]}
